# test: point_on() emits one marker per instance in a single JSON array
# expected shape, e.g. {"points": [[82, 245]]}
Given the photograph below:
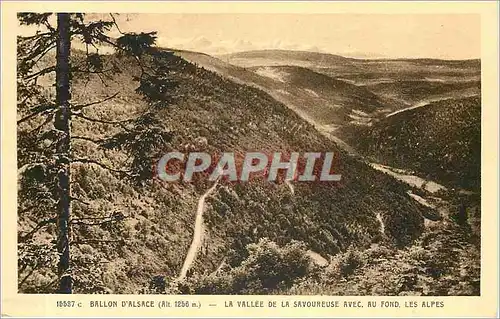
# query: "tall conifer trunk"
{"points": [[62, 123]]}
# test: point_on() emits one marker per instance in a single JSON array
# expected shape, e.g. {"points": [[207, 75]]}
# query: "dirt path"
{"points": [[198, 233], [381, 223], [427, 102], [408, 178]]}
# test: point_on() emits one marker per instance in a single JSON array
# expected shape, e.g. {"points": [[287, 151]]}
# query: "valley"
{"points": [[389, 97], [331, 93], [357, 236]]}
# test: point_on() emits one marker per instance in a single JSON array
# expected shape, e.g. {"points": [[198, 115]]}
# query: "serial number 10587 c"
{"points": [[65, 303]]}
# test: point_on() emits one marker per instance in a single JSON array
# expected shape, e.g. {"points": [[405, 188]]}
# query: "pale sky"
{"points": [[409, 36], [451, 36]]}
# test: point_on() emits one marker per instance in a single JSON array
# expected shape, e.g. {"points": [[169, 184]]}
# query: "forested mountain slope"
{"points": [[151, 227]]}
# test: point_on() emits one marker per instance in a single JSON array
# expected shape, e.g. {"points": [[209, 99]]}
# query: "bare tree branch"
{"points": [[39, 110], [28, 275], [36, 35], [39, 127], [75, 199], [49, 284], [120, 123], [115, 23], [88, 139], [40, 73], [104, 166], [97, 241], [44, 53], [102, 80], [102, 121], [82, 106], [99, 220], [39, 48], [37, 228], [49, 26]]}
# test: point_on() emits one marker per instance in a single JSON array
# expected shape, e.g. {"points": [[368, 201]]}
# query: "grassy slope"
{"points": [[156, 232], [323, 99]]}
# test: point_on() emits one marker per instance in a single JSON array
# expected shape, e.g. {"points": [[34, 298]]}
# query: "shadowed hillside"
{"points": [[440, 141], [323, 100], [327, 100]]}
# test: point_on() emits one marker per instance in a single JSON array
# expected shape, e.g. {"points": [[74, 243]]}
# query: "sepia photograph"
{"points": [[322, 154]]}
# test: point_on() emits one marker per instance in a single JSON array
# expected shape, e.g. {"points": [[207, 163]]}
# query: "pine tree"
{"points": [[45, 140]]}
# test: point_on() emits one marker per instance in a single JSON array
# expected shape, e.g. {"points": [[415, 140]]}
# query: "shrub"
{"points": [[267, 268]]}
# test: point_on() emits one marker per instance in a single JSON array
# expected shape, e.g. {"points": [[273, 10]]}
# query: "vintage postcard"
{"points": [[249, 159]]}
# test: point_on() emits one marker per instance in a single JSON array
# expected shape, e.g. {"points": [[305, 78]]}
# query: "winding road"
{"points": [[198, 233]]}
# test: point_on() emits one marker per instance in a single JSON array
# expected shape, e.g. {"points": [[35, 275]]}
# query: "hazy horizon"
{"points": [[381, 36], [388, 36]]}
